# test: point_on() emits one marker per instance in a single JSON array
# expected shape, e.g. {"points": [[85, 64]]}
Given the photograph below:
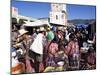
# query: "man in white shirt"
{"points": [[36, 49]]}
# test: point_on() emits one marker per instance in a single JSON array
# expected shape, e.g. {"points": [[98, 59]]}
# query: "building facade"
{"points": [[15, 14], [58, 14]]}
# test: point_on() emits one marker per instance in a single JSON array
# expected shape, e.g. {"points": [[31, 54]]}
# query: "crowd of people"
{"points": [[52, 49]]}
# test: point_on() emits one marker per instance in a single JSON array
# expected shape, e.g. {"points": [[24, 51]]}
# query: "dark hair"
{"points": [[72, 36], [91, 50], [55, 40], [41, 31]]}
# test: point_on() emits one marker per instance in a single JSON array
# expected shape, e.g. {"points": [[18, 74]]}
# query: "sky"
{"points": [[41, 10]]}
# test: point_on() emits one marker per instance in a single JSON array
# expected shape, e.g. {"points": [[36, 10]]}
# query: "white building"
{"points": [[14, 12], [18, 17], [58, 14]]}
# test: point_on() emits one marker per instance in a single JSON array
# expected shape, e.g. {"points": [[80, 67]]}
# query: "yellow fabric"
{"points": [[59, 69], [49, 68], [52, 69]]}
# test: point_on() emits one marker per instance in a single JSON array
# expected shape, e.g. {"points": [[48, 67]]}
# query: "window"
{"points": [[62, 16], [56, 6], [56, 17]]}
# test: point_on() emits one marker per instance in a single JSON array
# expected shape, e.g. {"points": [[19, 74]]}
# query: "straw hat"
{"points": [[37, 30], [22, 32], [59, 28], [42, 29], [48, 28], [65, 27]]}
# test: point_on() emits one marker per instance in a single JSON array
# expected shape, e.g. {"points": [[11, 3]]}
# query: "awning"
{"points": [[37, 23], [53, 24]]}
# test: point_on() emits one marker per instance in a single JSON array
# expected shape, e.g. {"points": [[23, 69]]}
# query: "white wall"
{"points": [[59, 20], [56, 15]]}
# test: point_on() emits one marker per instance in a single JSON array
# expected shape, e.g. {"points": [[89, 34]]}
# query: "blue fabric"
{"points": [[81, 26], [13, 49]]}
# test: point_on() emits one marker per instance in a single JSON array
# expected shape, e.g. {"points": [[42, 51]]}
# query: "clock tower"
{"points": [[58, 14]]}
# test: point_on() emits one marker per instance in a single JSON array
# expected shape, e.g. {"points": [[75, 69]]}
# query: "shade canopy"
{"points": [[36, 23], [81, 25]]}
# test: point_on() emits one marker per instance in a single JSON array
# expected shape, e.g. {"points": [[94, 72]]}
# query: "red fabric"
{"points": [[41, 67], [91, 58], [53, 48], [72, 48]]}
